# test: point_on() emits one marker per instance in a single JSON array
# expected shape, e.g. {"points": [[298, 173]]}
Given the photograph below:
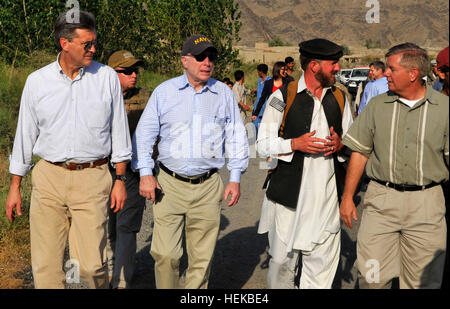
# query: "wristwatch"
{"points": [[121, 177]]}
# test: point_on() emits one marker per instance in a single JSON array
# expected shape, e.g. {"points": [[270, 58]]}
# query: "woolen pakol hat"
{"points": [[196, 44], [321, 49], [124, 59]]}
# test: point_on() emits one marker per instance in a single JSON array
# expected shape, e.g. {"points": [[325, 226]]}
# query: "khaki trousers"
{"points": [[402, 234], [194, 208], [57, 194]]}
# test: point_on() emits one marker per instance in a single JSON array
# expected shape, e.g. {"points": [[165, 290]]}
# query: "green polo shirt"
{"points": [[404, 145]]}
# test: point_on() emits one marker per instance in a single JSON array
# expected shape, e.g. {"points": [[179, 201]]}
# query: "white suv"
{"points": [[358, 75]]}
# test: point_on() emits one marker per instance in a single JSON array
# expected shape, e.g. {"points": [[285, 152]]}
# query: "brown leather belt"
{"points": [[79, 166]]}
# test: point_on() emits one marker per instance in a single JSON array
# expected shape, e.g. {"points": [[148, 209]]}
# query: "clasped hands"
{"points": [[307, 143]]}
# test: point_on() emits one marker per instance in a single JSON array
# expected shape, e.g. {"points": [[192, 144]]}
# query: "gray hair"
{"points": [[412, 57], [64, 28]]}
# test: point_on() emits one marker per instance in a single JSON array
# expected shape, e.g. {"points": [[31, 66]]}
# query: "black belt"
{"points": [[405, 187], [201, 178]]}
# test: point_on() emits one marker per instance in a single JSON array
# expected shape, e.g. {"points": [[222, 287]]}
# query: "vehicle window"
{"points": [[360, 73]]}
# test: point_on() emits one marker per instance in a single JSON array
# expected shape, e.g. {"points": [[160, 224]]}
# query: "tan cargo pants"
{"points": [[57, 194], [402, 234]]}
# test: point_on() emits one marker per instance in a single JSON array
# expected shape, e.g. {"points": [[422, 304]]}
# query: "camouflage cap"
{"points": [[124, 59]]}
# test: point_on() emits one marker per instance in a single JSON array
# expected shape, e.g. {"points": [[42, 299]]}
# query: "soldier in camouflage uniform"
{"points": [[124, 225]]}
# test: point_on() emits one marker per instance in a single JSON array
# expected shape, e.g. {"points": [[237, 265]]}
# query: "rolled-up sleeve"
{"points": [[120, 134], [27, 133]]}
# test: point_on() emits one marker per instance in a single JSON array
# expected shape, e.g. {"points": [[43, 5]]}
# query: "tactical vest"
{"points": [[286, 179], [135, 101]]}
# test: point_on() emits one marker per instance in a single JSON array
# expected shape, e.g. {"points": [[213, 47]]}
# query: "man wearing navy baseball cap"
{"points": [[198, 121]]}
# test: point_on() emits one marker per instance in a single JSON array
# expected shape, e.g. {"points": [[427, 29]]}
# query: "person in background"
{"points": [[278, 80], [289, 61], [125, 224], [262, 70], [377, 86], [240, 93]]}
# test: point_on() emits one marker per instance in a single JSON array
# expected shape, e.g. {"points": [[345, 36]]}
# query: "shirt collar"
{"points": [[302, 86], [60, 70], [210, 85], [430, 96]]}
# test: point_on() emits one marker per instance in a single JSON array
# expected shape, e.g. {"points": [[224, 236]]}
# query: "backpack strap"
{"points": [[340, 98], [289, 94]]}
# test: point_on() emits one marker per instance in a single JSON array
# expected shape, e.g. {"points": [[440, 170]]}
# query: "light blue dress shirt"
{"points": [[80, 120], [197, 129], [373, 89], [259, 89]]}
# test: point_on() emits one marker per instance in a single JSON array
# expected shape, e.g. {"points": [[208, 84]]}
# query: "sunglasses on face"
{"points": [[212, 56], [88, 45], [128, 71]]}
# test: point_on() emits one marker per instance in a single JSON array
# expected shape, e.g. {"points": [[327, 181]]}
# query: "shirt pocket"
{"points": [[213, 136], [98, 114]]}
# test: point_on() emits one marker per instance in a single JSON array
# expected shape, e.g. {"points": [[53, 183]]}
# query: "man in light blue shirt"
{"points": [[377, 86], [71, 115], [198, 122], [262, 70]]}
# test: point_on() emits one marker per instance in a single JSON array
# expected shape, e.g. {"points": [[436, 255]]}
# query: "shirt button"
{"points": [[406, 146]]}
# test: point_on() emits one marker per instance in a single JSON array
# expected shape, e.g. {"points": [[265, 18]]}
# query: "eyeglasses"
{"points": [[129, 71], [88, 45], [212, 56]]}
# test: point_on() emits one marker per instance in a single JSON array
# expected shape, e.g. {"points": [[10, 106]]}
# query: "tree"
{"points": [[178, 19], [277, 42], [346, 49], [151, 29]]}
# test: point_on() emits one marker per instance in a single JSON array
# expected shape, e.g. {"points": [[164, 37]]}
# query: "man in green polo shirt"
{"points": [[402, 135]]}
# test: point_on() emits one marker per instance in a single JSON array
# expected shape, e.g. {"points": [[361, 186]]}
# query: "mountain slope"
{"points": [[423, 22]]}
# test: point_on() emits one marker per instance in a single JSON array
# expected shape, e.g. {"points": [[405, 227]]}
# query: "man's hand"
{"points": [[233, 189], [147, 186], [14, 200], [348, 211], [309, 144], [245, 107], [118, 196], [334, 142], [253, 118], [354, 171]]}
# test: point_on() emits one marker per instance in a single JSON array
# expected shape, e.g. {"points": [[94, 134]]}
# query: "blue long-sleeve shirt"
{"points": [[259, 89], [373, 89], [197, 130]]}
